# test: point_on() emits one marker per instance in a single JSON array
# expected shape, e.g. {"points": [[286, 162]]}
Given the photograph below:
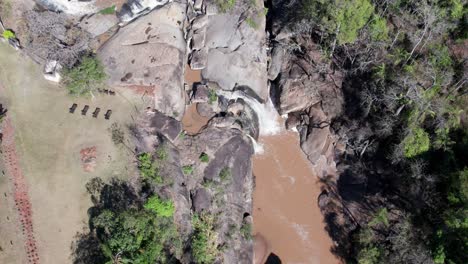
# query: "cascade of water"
{"points": [[258, 148], [268, 117]]}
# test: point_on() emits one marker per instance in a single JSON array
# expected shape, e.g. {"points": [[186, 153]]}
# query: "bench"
{"points": [[96, 112], [108, 114], [73, 108], [85, 110]]}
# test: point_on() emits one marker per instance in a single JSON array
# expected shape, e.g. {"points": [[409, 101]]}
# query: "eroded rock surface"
{"points": [[151, 52], [305, 79], [220, 185], [230, 46]]}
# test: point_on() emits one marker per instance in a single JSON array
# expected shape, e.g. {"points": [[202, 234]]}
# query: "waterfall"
{"points": [[258, 148], [268, 118]]}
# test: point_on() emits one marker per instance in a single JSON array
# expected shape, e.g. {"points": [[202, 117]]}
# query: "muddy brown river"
{"points": [[287, 219], [286, 214]]}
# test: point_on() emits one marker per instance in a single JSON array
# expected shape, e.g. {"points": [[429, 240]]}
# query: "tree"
{"points": [[160, 207], [341, 18], [204, 239], [149, 168], [83, 78]]}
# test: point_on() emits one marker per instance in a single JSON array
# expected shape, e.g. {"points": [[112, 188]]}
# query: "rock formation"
{"points": [[150, 51]]}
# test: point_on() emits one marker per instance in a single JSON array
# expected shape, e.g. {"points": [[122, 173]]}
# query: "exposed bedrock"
{"points": [[302, 79], [308, 89], [150, 51], [230, 47], [220, 185]]}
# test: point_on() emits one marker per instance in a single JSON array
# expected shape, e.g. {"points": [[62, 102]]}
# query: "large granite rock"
{"points": [[318, 143], [229, 50], [98, 24], [222, 186], [305, 79], [135, 8], [151, 52]]}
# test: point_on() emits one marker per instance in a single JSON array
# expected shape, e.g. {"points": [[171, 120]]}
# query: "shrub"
{"points": [[225, 5], [8, 34], [381, 217], [187, 169], [416, 143], [225, 174], [342, 18], [204, 239], [457, 9], [378, 29], [251, 22], [204, 157], [246, 230], [86, 76], [369, 255], [108, 11], [212, 96], [148, 168], [118, 136], [161, 152], [160, 207]]}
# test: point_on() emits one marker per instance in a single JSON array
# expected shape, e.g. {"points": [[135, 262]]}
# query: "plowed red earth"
{"points": [[20, 190]]}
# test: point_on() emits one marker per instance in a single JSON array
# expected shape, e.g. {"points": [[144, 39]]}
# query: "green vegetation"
{"points": [[187, 169], [149, 168], [108, 11], [246, 230], [137, 236], [416, 143], [225, 174], [379, 29], [405, 122], [85, 77], [8, 34], [225, 5], [380, 218], [204, 157], [182, 135], [160, 207], [117, 134], [457, 10], [161, 153], [341, 18], [212, 96], [251, 22], [205, 247]]}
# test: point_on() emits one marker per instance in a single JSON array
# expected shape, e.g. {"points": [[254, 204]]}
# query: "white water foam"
{"points": [[258, 148], [268, 119], [70, 7]]}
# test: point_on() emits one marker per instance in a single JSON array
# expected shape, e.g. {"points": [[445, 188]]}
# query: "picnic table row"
{"points": [[86, 108]]}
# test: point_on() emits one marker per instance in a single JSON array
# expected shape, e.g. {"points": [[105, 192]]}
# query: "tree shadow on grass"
{"points": [[117, 195]]}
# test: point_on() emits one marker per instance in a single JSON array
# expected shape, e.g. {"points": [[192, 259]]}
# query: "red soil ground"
{"points": [[20, 189]]}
